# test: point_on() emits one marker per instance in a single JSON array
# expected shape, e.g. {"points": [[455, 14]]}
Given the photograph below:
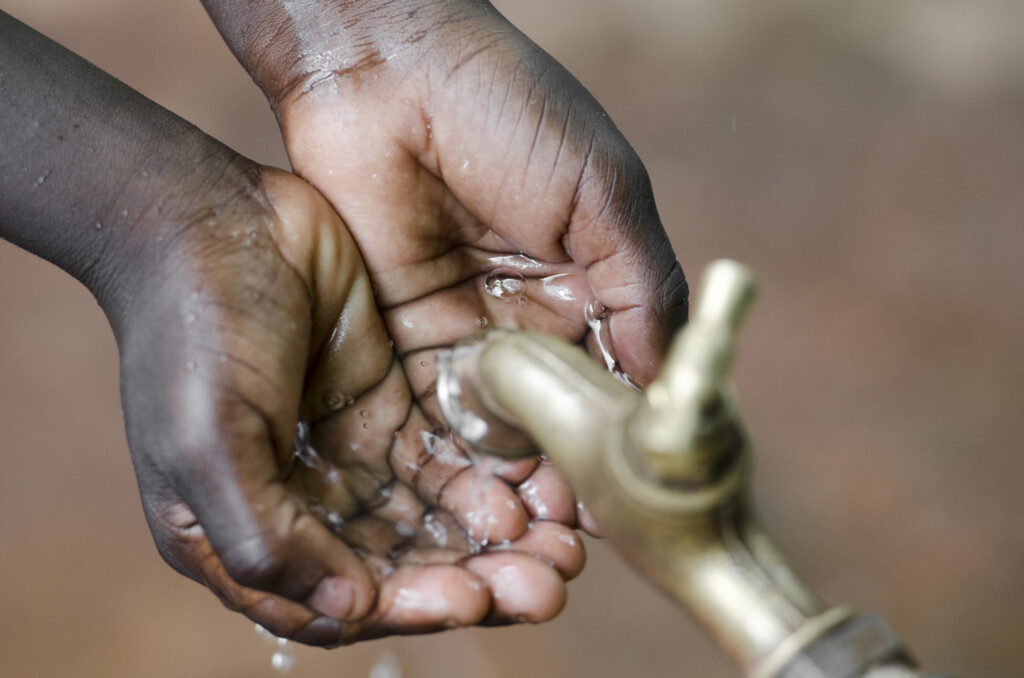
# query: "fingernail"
{"points": [[333, 597]]}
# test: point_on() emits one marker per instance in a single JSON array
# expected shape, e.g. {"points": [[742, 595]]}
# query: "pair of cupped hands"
{"points": [[440, 147]]}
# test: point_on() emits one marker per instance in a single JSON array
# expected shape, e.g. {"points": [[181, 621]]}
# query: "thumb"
{"points": [[263, 537]]}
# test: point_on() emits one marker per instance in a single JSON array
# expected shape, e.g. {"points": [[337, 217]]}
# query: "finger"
{"points": [[425, 458], [496, 296], [440, 529], [523, 588], [264, 540], [353, 443], [424, 599], [184, 545], [547, 496], [431, 527], [343, 468], [554, 543], [561, 181], [485, 506], [586, 521], [444, 475]]}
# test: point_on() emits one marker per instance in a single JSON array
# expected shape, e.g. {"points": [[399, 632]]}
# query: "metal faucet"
{"points": [[666, 473]]}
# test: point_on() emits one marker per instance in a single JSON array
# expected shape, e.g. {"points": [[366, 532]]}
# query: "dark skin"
{"points": [[242, 306], [488, 145]]}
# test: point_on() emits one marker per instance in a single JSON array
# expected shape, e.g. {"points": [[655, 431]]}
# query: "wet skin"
{"points": [[445, 138], [242, 307]]}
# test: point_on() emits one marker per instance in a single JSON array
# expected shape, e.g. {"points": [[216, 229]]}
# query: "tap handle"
{"points": [[683, 415]]}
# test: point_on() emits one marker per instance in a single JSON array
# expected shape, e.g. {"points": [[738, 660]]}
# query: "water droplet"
{"points": [[190, 366], [594, 310], [482, 321], [349, 400], [423, 363], [530, 493], [556, 287], [505, 284], [436, 530], [283, 661], [362, 413], [387, 666], [190, 318], [98, 226], [366, 424], [404, 529], [124, 213], [335, 521], [594, 313], [144, 172]]}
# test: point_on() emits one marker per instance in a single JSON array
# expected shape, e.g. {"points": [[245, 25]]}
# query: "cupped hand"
{"points": [[290, 460], [482, 183]]}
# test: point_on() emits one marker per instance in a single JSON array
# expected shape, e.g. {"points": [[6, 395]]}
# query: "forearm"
{"points": [[94, 177]]}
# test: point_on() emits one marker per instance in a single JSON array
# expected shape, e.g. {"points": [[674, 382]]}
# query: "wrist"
{"points": [[293, 46], [184, 200]]}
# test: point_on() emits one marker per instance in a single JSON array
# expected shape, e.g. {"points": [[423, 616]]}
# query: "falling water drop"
{"points": [[595, 314], [283, 659], [387, 666]]}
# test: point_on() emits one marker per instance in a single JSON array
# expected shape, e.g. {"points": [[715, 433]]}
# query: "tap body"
{"points": [[667, 472]]}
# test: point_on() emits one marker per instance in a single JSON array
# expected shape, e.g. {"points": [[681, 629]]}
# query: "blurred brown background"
{"points": [[867, 159]]}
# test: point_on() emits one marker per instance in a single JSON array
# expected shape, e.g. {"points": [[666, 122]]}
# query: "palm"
{"points": [[421, 535], [447, 163]]}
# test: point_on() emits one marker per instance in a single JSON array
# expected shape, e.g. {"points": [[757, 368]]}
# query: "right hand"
{"points": [[258, 315]]}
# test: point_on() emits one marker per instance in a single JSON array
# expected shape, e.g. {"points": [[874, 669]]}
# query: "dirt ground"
{"points": [[866, 159]]}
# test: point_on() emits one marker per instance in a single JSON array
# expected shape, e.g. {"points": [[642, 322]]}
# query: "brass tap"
{"points": [[667, 474]]}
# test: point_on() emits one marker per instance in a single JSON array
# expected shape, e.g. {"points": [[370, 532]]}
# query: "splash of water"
{"points": [[595, 315], [283, 659]]}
